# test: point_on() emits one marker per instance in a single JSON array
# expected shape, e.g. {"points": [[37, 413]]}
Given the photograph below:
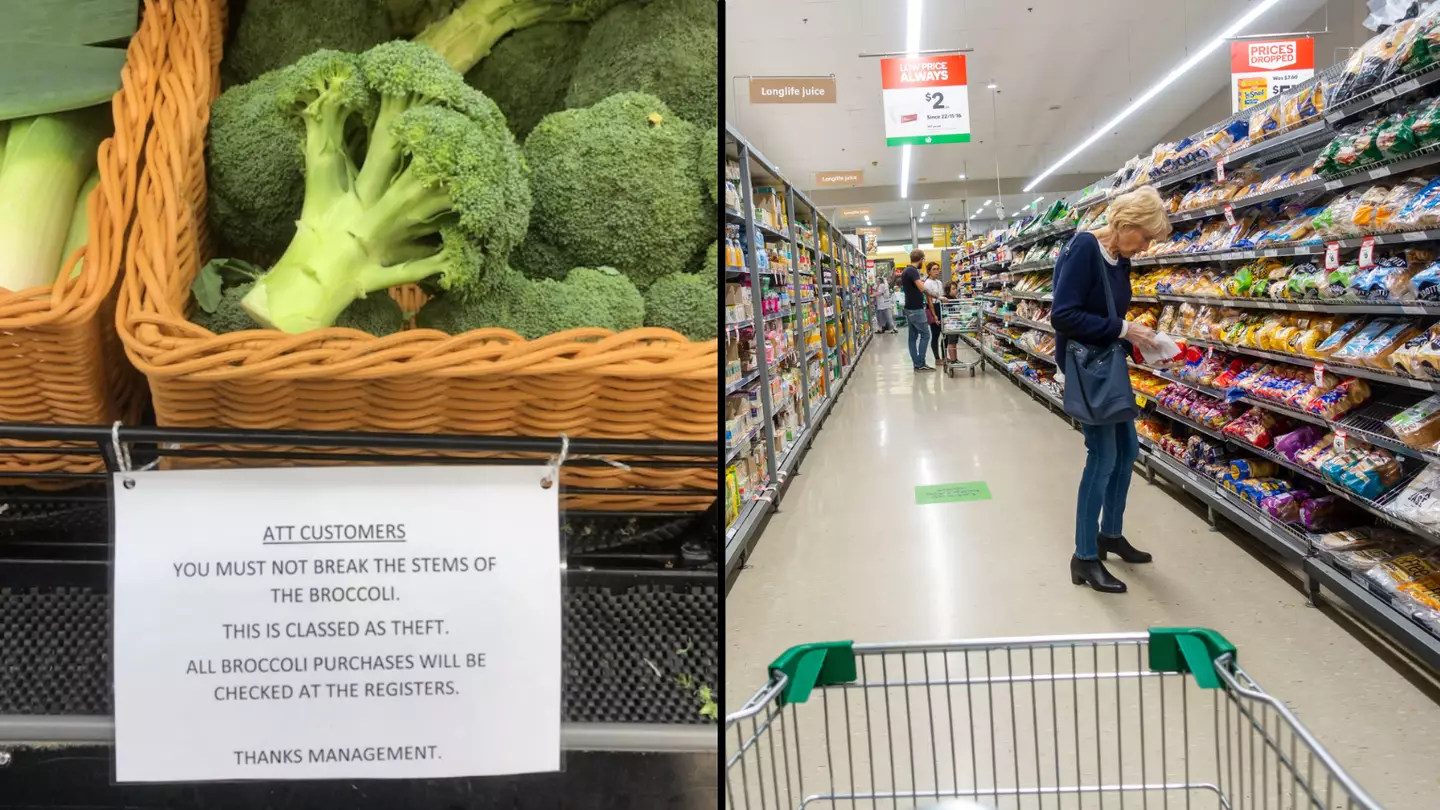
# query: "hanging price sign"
{"points": [[1332, 255], [1230, 215], [1367, 252], [1220, 170]]}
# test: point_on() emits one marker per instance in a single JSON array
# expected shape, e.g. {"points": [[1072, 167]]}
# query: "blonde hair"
{"points": [[1143, 209]]}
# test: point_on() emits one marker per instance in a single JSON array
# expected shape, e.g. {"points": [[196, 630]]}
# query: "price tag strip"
{"points": [[336, 623]]}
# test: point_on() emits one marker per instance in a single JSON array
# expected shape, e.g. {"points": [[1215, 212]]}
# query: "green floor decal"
{"points": [[952, 493]]}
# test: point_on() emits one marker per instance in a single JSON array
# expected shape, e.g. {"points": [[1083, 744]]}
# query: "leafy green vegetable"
{"points": [[70, 22], [438, 196], [616, 185], [666, 48], [48, 77], [685, 302], [47, 161], [469, 33], [529, 72]]}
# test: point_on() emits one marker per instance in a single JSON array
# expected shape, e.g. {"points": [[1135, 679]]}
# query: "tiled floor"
{"points": [[850, 556]]}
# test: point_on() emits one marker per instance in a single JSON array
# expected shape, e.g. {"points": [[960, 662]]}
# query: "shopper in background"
{"points": [[952, 293], [912, 284], [1081, 313], [884, 306], [933, 294]]}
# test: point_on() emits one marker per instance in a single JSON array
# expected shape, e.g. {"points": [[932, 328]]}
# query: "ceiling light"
{"points": [[992, 86], [912, 47], [912, 27], [987, 202], [962, 175], [1195, 59], [926, 207]]}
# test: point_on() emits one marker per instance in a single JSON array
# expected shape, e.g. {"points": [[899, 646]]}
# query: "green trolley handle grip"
{"points": [[1172, 649], [1189, 649]]}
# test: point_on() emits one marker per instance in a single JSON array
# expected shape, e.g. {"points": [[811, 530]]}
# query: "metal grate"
{"points": [[627, 650]]}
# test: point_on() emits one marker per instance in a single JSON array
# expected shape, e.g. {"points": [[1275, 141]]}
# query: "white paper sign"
{"points": [[336, 623]]}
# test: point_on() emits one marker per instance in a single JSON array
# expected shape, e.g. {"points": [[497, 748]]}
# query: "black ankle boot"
{"points": [[1093, 573], [1121, 548]]}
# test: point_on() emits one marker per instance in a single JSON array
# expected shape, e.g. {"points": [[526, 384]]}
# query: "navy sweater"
{"points": [[1079, 311]]}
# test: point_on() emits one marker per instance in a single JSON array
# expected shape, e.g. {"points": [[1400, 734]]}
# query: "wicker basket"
{"points": [[645, 383], [60, 358]]}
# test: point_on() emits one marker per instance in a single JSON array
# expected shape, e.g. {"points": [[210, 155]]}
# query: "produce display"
{"points": [[344, 161]]}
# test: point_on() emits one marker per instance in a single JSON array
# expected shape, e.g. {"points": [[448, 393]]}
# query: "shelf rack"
{"points": [[841, 302]]}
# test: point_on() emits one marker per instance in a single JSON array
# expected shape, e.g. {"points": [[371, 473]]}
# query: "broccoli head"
{"points": [[707, 264], [471, 31], [587, 297], [536, 258], [710, 162], [685, 302], [616, 185], [377, 313], [276, 33], [437, 193], [226, 315], [528, 72], [255, 170], [667, 48]]}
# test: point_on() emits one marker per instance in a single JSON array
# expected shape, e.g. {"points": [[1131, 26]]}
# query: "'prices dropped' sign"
{"points": [[926, 100], [1261, 70]]}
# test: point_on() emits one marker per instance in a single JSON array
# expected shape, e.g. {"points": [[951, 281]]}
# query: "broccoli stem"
{"points": [[348, 252], [382, 157], [469, 33], [311, 284]]}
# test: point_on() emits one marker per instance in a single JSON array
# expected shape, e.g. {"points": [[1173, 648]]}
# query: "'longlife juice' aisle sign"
{"points": [[926, 100], [1261, 70]]}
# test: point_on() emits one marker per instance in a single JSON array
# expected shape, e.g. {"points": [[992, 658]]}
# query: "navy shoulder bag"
{"points": [[1097, 378]]}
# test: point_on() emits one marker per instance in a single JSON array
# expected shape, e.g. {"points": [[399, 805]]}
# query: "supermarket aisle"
{"points": [[850, 556]]}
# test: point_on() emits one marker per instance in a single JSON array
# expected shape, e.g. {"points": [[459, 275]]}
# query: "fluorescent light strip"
{"points": [[912, 49], [1225, 36]]}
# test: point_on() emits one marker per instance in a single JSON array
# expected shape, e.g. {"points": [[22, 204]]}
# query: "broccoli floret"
{"points": [[529, 72], [468, 34], [276, 33], [454, 314], [667, 48], [377, 313], [615, 185], [685, 302], [228, 315], [588, 297], [440, 193], [710, 162], [707, 264], [536, 258], [255, 170]]}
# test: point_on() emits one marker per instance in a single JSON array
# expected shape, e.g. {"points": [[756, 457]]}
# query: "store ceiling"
{"points": [[1063, 67]]}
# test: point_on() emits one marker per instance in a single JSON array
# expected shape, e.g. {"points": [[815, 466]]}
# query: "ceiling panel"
{"points": [[1088, 57]]}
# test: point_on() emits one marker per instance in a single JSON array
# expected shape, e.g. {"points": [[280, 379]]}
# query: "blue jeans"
{"points": [[919, 335], [1109, 461]]}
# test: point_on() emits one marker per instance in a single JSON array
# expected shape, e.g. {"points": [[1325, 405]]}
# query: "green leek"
{"points": [[47, 161]]}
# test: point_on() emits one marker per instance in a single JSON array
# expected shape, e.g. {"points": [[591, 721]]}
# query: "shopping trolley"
{"points": [[1164, 719], [961, 317]]}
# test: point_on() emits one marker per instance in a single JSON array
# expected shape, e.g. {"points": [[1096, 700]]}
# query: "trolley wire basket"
{"points": [[1164, 719], [960, 316]]}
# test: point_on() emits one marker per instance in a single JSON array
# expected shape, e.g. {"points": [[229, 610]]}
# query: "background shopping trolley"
{"points": [[1165, 719], [960, 318]]}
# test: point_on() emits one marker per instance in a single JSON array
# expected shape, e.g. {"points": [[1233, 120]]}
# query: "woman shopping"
{"points": [[933, 295], [1092, 294]]}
